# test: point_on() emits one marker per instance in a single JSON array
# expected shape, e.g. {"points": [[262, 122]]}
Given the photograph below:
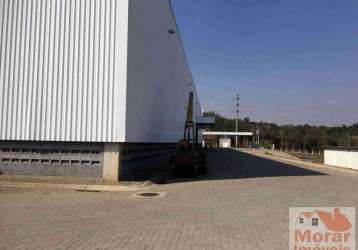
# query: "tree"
{"points": [[299, 136]]}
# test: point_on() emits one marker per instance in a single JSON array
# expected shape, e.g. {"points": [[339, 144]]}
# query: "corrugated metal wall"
{"points": [[159, 77], [57, 60]]}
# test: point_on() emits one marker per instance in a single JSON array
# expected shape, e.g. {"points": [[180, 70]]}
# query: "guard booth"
{"points": [[203, 123], [225, 142], [224, 139]]}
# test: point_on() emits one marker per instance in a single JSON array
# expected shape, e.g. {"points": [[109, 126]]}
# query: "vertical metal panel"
{"points": [[57, 69], [159, 77]]}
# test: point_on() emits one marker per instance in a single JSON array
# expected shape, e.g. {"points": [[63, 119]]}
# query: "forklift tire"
{"points": [[203, 169], [195, 170], [173, 170]]}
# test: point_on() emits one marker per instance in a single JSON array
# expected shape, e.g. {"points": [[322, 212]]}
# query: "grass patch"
{"points": [[315, 158]]}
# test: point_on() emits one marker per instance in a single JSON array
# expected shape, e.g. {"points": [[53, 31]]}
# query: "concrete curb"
{"points": [[77, 187], [301, 163]]}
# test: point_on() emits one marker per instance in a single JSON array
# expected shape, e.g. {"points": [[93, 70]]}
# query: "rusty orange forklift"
{"points": [[189, 158]]}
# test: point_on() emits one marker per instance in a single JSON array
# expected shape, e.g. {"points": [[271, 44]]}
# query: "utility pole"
{"points": [[258, 135], [237, 119]]}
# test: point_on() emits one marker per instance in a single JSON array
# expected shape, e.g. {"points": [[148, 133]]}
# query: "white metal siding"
{"points": [[159, 77], [62, 69], [341, 158]]}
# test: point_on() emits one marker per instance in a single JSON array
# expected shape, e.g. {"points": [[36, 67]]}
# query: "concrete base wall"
{"points": [[51, 158], [111, 161], [141, 161], [135, 161], [341, 158]]}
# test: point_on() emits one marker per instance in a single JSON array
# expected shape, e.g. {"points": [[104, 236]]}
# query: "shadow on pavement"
{"points": [[231, 164]]}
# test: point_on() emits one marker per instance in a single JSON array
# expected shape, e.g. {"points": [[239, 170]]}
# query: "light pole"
{"points": [[237, 119]]}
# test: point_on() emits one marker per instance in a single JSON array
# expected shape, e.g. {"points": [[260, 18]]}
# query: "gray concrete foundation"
{"points": [[112, 161], [51, 158]]}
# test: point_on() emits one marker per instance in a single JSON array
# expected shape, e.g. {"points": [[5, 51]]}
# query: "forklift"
{"points": [[190, 157]]}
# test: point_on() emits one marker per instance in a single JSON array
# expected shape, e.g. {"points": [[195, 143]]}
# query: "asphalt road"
{"points": [[242, 203]]}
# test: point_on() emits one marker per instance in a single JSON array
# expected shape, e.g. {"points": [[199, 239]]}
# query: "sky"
{"points": [[291, 61]]}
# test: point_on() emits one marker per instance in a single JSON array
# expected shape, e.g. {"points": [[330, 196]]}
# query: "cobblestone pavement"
{"points": [[242, 203]]}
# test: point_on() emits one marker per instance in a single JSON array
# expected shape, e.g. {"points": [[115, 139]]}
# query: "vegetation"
{"points": [[292, 136]]}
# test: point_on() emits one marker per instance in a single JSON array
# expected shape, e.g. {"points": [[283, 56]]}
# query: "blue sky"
{"points": [[292, 62]]}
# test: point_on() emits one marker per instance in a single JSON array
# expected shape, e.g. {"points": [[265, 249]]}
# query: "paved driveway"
{"points": [[242, 203]]}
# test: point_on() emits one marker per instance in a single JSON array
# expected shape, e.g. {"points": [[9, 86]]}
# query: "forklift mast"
{"points": [[189, 131], [188, 157]]}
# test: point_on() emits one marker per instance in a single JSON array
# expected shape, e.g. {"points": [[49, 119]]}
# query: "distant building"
{"points": [[224, 139], [86, 87]]}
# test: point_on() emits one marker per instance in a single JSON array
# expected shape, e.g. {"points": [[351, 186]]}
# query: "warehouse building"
{"points": [[89, 87]]}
